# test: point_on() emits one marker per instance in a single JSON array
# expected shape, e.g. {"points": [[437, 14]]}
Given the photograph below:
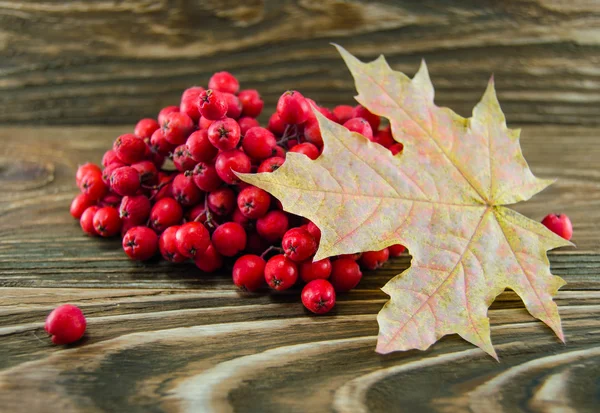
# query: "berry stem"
{"points": [[271, 249], [290, 132], [209, 216]]}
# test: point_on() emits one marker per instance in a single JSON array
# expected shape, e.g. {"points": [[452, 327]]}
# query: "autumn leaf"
{"points": [[443, 197]]}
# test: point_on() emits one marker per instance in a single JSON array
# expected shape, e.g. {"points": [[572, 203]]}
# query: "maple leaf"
{"points": [[442, 197]]}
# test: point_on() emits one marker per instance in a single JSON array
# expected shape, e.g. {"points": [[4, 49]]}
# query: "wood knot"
{"points": [[23, 175]]}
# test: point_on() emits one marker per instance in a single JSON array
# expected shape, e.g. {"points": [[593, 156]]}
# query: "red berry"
{"points": [[199, 147], [396, 249], [192, 238], [147, 172], [204, 124], [185, 190], [221, 201], [293, 108], [315, 270], [206, 177], [383, 137], [246, 124], [189, 102], [253, 202], [212, 105], [145, 128], [167, 244], [312, 132], [164, 213], [129, 148], [227, 163], [79, 204], [249, 272], [177, 127], [198, 214], [224, 82], [298, 244], [560, 224], [224, 134], [108, 171], [159, 144], [280, 273], [396, 148], [107, 222], [343, 113], [108, 158], [111, 199], [371, 260], [210, 260], [252, 104], [84, 169], [259, 143], [125, 180], [164, 183], [354, 257], [361, 126], [229, 239], [87, 220], [318, 296], [273, 225], [66, 324], [362, 112], [276, 124], [234, 106], [271, 164], [238, 217], [314, 231], [135, 209], [162, 115], [140, 243], [92, 185], [345, 274], [182, 159], [307, 149]]}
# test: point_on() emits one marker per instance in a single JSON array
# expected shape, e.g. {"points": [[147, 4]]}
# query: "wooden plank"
{"points": [[106, 62]]}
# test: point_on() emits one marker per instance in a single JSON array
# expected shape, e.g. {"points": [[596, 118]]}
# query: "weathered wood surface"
{"points": [[166, 338], [84, 62]]}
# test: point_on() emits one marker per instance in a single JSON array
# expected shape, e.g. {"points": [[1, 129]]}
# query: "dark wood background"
{"points": [[168, 338]]}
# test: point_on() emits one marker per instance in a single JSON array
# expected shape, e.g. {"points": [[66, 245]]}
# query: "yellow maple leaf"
{"points": [[443, 197]]}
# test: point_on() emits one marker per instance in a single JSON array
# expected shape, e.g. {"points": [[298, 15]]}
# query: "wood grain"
{"points": [[168, 338], [116, 62]]}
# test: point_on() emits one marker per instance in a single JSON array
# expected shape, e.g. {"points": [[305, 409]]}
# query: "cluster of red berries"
{"points": [[198, 208]]}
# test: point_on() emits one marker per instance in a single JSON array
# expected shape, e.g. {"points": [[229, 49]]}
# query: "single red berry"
{"points": [[396, 249], [135, 210], [560, 224], [125, 180], [111, 199], [164, 187], [343, 113], [162, 115], [107, 222], [224, 82], [182, 159], [212, 105], [84, 169], [271, 164], [371, 260], [140, 243], [229, 239], [258, 143], [192, 238], [177, 127], [249, 272], [276, 124], [108, 171], [252, 104], [328, 114], [147, 172], [361, 126], [318, 296], [315, 270], [79, 204], [92, 185], [164, 213], [362, 112], [293, 108], [238, 217], [345, 274], [396, 148], [129, 148], [314, 231], [224, 134], [253, 202], [66, 324], [246, 124], [145, 128], [279, 152], [298, 244], [229, 162], [210, 260], [156, 158], [206, 177], [383, 137], [189, 102], [291, 143], [199, 147], [204, 124], [312, 132], [221, 201], [354, 257], [281, 273], [167, 244], [159, 144], [108, 158], [185, 190], [87, 220], [273, 225], [307, 149], [234, 106]]}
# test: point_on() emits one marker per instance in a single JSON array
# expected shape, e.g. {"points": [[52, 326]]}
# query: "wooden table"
{"points": [[165, 337]]}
